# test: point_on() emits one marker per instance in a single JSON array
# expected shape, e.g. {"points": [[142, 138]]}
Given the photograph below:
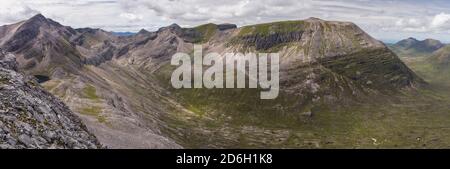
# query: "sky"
{"points": [[386, 20]]}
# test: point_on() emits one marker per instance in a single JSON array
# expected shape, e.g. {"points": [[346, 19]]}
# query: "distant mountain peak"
{"points": [[174, 25], [314, 19], [414, 43], [39, 20], [414, 47], [173, 28], [38, 17], [432, 41], [143, 31]]}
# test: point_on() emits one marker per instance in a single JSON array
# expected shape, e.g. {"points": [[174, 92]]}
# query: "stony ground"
{"points": [[30, 117]]}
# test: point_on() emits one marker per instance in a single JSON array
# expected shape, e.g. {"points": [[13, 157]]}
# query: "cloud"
{"points": [[13, 11], [131, 16], [438, 23], [409, 25], [441, 21], [381, 18], [78, 3]]}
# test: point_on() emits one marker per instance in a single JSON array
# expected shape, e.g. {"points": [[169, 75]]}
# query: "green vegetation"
{"points": [[94, 111], [206, 31], [101, 119], [50, 85], [3, 80], [240, 120], [412, 52], [91, 111], [89, 92], [194, 109], [270, 28]]}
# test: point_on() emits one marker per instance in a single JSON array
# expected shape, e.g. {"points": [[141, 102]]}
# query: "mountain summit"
{"points": [[41, 45], [414, 47]]}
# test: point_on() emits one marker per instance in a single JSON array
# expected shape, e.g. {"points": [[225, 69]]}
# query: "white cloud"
{"points": [[13, 11], [412, 22], [131, 16], [382, 18], [440, 21]]}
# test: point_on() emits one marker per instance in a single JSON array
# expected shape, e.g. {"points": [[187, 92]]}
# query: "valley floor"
{"points": [[415, 121], [412, 119], [144, 115]]}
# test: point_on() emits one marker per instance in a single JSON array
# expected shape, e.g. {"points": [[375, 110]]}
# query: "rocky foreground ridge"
{"points": [[32, 118]]}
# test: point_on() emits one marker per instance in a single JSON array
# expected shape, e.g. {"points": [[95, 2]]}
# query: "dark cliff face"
{"points": [[21, 38], [104, 55], [40, 44], [199, 34], [226, 26], [30, 117], [28, 31], [264, 42]]}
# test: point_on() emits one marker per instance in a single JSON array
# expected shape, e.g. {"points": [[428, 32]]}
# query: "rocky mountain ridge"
{"points": [[30, 117]]}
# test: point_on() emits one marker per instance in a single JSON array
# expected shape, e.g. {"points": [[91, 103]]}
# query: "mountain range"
{"points": [[414, 47], [339, 87], [429, 57]]}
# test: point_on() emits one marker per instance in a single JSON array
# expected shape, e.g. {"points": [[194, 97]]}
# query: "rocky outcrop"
{"points": [[261, 42], [226, 26], [7, 61], [30, 117]]}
